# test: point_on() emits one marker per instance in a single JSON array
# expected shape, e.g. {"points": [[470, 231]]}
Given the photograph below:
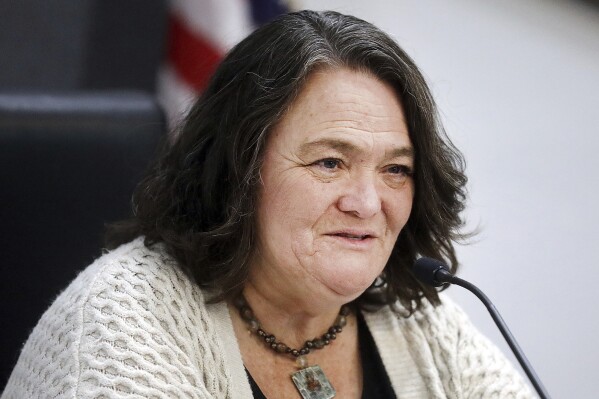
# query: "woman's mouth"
{"points": [[352, 236], [354, 239]]}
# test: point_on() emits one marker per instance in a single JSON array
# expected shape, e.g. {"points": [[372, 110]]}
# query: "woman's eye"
{"points": [[400, 170], [329, 163]]}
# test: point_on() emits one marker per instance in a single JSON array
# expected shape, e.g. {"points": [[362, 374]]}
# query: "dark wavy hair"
{"points": [[200, 196]]}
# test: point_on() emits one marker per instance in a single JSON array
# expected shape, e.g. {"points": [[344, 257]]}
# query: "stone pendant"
{"points": [[312, 383]]}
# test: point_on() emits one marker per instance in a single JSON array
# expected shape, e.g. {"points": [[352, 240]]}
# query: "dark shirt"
{"points": [[375, 384]]}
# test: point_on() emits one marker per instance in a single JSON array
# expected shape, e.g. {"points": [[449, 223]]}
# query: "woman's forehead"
{"points": [[344, 105]]}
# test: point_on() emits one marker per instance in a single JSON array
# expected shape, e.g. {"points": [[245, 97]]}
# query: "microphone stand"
{"points": [[443, 275]]}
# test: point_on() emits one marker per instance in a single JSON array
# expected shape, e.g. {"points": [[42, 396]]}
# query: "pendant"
{"points": [[312, 383]]}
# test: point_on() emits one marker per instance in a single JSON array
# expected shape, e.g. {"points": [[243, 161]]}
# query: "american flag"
{"points": [[200, 33]]}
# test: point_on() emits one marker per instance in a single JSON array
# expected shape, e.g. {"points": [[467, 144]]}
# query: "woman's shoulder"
{"points": [[432, 331], [413, 345], [132, 311], [446, 314], [132, 275], [133, 267], [426, 327], [441, 338], [132, 261]]}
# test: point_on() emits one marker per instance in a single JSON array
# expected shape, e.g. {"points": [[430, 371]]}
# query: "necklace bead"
{"points": [[247, 315]]}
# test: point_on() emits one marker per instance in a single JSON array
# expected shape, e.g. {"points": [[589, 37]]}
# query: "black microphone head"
{"points": [[425, 269]]}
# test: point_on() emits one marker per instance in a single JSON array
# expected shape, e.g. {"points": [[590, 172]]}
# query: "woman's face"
{"points": [[336, 186]]}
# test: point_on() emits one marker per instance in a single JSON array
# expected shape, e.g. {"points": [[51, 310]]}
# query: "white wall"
{"points": [[517, 83]]}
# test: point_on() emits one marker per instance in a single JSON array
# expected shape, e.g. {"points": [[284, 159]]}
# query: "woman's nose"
{"points": [[361, 198]]}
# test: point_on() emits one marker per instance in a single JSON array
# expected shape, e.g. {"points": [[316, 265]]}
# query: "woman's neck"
{"points": [[292, 319]]}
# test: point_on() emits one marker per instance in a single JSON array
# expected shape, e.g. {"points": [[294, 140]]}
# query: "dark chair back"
{"points": [[68, 165]]}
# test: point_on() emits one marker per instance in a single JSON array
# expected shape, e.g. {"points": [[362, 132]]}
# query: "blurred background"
{"points": [[517, 84]]}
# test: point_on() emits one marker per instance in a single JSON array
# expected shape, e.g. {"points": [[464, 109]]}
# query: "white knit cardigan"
{"points": [[133, 325]]}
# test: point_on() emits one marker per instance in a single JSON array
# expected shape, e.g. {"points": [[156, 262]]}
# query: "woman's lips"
{"points": [[354, 239], [354, 234]]}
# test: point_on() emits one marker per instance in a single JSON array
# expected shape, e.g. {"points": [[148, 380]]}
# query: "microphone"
{"points": [[436, 273]]}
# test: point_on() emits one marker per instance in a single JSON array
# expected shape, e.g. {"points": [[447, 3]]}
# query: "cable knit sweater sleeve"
{"points": [[128, 327]]}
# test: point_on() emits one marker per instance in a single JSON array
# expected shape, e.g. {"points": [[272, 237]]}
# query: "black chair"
{"points": [[68, 165]]}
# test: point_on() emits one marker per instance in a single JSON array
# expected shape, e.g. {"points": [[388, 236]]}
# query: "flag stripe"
{"points": [[264, 11], [221, 22], [200, 32], [193, 57]]}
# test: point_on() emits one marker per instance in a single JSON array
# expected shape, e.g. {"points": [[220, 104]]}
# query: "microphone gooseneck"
{"points": [[436, 273]]}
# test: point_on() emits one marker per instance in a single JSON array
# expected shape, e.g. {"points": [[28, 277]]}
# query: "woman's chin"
{"points": [[349, 276], [348, 287]]}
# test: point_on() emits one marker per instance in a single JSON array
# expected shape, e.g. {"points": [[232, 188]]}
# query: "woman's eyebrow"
{"points": [[347, 147], [342, 146], [399, 152]]}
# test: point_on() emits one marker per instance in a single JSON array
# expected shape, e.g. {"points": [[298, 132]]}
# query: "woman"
{"points": [[270, 251]]}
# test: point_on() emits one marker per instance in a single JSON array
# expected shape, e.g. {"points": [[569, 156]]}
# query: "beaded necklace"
{"points": [[310, 381]]}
